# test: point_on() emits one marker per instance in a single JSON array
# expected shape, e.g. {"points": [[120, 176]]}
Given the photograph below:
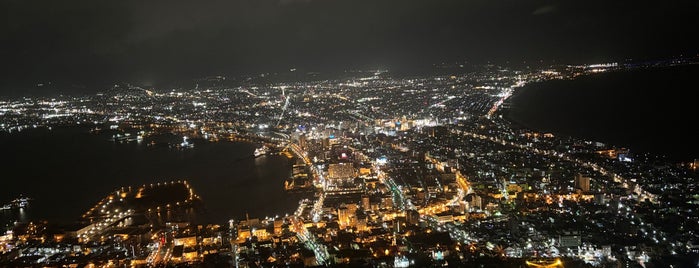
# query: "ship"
{"points": [[185, 143], [20, 202], [182, 146], [261, 151]]}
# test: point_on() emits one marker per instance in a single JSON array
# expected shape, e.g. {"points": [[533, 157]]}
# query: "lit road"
{"points": [[398, 196], [309, 241], [299, 153], [104, 224], [317, 210], [297, 224], [504, 95], [427, 214]]}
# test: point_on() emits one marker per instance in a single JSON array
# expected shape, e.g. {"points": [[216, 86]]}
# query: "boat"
{"points": [[20, 202], [261, 151], [185, 143], [182, 146]]}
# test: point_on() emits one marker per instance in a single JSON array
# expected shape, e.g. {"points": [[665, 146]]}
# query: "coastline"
{"points": [[224, 173], [644, 120]]}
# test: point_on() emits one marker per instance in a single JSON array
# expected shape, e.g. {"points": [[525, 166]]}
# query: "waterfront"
{"points": [[73, 168], [645, 110], [421, 184]]}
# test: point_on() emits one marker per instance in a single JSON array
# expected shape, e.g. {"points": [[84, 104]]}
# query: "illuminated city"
{"points": [[365, 167], [426, 172]]}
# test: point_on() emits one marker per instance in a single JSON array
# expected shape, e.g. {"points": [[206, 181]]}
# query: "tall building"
{"points": [[387, 202], [346, 215], [366, 202], [475, 202], [412, 216], [582, 183], [343, 214], [302, 141]]}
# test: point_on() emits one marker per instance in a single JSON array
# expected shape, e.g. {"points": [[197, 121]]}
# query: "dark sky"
{"points": [[89, 41]]}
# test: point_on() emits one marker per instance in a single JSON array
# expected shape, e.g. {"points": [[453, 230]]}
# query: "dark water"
{"points": [[66, 171], [651, 111]]}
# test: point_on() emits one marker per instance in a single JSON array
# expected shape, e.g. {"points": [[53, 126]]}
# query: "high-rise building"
{"points": [[302, 141], [475, 202], [346, 215], [387, 202], [361, 220], [343, 216], [412, 217], [366, 202], [582, 183]]}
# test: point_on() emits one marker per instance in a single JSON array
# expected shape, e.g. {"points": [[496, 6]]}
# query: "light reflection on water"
{"points": [[66, 171]]}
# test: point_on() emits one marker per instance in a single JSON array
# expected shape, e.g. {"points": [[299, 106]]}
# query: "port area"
{"points": [[145, 207]]}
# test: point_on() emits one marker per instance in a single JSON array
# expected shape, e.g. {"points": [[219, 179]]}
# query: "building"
{"points": [[387, 202], [475, 202], [582, 183], [569, 241], [302, 141], [341, 171], [278, 225], [412, 217], [366, 202], [346, 215], [187, 241]]}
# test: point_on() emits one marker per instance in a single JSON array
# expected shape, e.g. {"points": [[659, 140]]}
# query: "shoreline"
{"points": [[224, 173], [634, 141]]}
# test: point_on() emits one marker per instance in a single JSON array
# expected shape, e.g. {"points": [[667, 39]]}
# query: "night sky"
{"points": [[92, 41]]}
